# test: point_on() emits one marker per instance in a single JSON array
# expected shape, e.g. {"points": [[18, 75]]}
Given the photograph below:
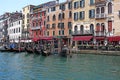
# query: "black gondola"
{"points": [[37, 51], [45, 53], [64, 51], [28, 50]]}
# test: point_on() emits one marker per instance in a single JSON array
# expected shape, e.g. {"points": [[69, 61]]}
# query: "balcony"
{"points": [[36, 18], [100, 33], [100, 16], [100, 3], [86, 32], [36, 28]]}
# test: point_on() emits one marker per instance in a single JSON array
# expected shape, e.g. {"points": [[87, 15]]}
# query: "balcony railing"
{"points": [[102, 15], [100, 33], [36, 18], [82, 32], [36, 28]]}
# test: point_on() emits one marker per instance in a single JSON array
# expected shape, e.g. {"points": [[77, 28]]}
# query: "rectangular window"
{"points": [[76, 5], [62, 7], [70, 14], [109, 26], [48, 26], [82, 15], [70, 5], [62, 25], [53, 9], [59, 32], [69, 24], [82, 3], [91, 13], [91, 2], [62, 32], [53, 33], [76, 16], [70, 32]]}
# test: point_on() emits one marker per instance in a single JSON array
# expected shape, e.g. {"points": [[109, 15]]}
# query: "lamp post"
{"points": [[113, 31], [19, 43]]}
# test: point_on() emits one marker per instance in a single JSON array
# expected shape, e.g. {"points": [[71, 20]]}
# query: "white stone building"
{"points": [[15, 27]]}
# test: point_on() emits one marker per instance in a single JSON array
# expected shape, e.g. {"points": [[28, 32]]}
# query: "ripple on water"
{"points": [[79, 67]]}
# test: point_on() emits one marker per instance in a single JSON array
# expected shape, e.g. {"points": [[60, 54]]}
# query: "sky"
{"points": [[17, 5]]}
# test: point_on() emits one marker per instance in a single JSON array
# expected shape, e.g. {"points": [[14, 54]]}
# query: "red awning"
{"points": [[114, 38], [82, 38], [100, 38], [35, 39], [45, 38], [42, 38]]}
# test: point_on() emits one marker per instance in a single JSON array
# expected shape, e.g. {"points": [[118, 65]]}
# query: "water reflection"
{"points": [[80, 67]]}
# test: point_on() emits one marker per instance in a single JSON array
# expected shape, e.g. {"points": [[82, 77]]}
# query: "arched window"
{"points": [[75, 29], [98, 10], [102, 10], [54, 17], [59, 16], [109, 8], [81, 29], [97, 27], [91, 28]]}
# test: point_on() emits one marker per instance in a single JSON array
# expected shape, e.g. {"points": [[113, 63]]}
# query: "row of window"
{"points": [[39, 14], [60, 16], [61, 7], [102, 9], [60, 25], [15, 30], [81, 15], [60, 32], [99, 27], [15, 23], [38, 23], [80, 3], [15, 37]]}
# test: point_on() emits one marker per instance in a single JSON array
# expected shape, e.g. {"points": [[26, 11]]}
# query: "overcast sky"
{"points": [[17, 5]]}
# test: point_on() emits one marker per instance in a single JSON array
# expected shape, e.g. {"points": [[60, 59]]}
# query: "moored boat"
{"points": [[45, 53]]}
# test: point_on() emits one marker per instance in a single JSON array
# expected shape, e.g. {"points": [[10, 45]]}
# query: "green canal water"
{"points": [[80, 67]]}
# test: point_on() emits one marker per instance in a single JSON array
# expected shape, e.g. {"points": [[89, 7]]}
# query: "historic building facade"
{"points": [[59, 20], [83, 17], [15, 27], [38, 20], [83, 28], [26, 21], [3, 28], [116, 13]]}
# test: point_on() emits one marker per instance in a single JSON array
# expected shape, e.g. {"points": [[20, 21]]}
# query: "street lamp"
{"points": [[113, 31], [19, 43]]}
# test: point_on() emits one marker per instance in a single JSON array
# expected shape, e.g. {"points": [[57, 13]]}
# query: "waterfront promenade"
{"points": [[97, 52]]}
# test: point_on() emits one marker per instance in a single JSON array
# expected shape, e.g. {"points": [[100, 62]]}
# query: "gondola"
{"points": [[36, 51], [30, 51], [64, 51], [45, 53]]}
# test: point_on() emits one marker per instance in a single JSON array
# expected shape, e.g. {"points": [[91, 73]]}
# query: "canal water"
{"points": [[22, 66]]}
